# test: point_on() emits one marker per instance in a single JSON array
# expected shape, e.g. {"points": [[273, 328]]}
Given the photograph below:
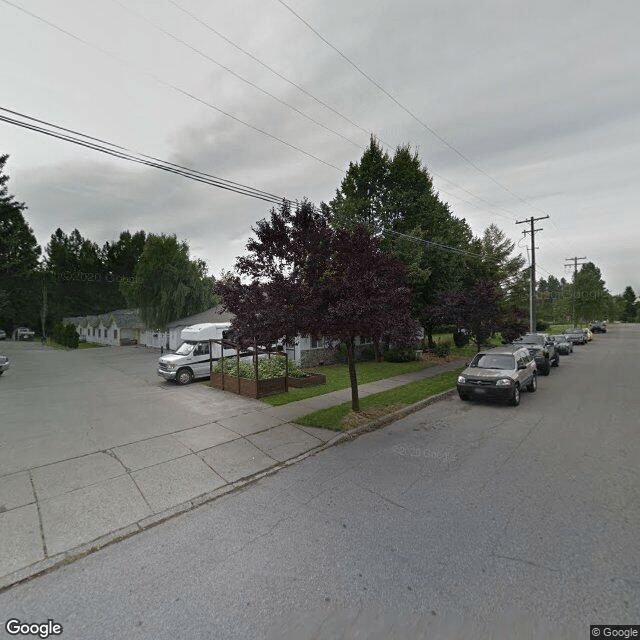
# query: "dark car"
{"points": [[598, 327], [542, 348], [563, 344], [499, 374], [577, 336], [4, 364]]}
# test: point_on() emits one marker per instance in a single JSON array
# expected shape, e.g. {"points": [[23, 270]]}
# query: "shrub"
{"points": [[396, 354], [460, 338], [273, 367], [70, 337], [443, 349], [57, 333], [541, 325]]}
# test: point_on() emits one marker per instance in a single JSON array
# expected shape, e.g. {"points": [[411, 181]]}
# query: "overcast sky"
{"points": [[543, 97]]}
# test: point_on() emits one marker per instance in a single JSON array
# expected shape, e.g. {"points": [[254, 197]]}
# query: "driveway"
{"points": [[93, 441]]}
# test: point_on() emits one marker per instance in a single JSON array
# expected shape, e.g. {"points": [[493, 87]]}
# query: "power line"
{"points": [[233, 73], [96, 144], [435, 245], [406, 109], [171, 86], [510, 215], [269, 68]]}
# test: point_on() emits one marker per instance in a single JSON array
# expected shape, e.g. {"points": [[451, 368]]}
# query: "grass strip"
{"points": [[338, 378], [332, 418]]}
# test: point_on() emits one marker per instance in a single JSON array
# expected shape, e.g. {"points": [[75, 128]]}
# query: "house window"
{"points": [[315, 343], [115, 334], [99, 333]]}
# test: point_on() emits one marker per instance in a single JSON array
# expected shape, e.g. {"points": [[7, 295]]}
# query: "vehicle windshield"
{"points": [[185, 348], [493, 361]]}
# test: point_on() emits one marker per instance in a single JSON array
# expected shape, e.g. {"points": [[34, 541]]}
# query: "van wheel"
{"points": [[515, 398], [184, 376], [533, 385]]}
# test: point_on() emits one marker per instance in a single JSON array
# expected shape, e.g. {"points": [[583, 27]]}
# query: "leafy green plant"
{"points": [[396, 354], [442, 349], [267, 368]]}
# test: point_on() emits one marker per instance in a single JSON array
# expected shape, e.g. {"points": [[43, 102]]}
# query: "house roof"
{"points": [[215, 314], [124, 318]]}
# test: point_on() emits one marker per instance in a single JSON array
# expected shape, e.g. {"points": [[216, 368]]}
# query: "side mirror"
{"points": [[466, 364]]}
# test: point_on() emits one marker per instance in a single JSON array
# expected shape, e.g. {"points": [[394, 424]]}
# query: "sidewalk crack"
{"points": [[44, 543]]}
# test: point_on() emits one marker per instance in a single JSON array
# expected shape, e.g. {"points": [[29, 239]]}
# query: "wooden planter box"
{"points": [[249, 388], [311, 380]]}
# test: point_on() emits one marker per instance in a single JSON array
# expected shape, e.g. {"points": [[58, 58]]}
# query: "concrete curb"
{"points": [[54, 562]]}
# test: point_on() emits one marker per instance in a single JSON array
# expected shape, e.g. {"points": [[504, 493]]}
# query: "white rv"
{"points": [[191, 359]]}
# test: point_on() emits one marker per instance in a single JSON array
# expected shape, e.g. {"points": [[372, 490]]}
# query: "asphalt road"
{"points": [[463, 520]]}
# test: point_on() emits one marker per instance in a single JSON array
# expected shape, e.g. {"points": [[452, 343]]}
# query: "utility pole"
{"points": [[43, 311], [573, 288], [532, 303]]}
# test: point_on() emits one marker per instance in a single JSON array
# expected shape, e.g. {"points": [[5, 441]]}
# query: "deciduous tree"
{"points": [[307, 278]]}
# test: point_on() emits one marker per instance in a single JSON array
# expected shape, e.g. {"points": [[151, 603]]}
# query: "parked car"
{"points": [[598, 327], [499, 374], [23, 333], [4, 364], [576, 336], [543, 349], [563, 344], [3, 334]]}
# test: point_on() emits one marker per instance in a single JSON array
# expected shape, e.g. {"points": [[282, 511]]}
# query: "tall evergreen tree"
{"points": [[19, 261]]}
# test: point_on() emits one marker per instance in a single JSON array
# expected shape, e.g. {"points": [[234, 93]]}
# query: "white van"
{"points": [[191, 359]]}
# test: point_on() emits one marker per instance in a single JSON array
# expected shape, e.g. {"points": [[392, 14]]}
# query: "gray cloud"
{"points": [[543, 97]]}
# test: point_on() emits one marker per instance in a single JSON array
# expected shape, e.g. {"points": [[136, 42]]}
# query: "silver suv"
{"points": [[499, 374]]}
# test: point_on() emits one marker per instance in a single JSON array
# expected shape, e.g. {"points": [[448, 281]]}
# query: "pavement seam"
{"points": [[67, 557], [130, 474], [44, 542]]}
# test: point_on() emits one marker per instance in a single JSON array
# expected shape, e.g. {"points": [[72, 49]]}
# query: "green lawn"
{"points": [[407, 394], [338, 378], [559, 328]]}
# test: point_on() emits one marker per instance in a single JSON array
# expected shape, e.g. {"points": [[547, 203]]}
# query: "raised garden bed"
{"points": [[247, 387], [311, 380], [261, 388]]}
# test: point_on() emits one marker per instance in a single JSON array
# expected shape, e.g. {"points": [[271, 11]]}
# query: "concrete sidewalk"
{"points": [[50, 514]]}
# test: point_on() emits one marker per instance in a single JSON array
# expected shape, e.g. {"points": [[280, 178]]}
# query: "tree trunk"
{"points": [[351, 359], [431, 343], [377, 349]]}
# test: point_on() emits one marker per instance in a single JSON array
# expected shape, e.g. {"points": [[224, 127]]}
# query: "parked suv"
{"points": [[499, 374], [543, 349]]}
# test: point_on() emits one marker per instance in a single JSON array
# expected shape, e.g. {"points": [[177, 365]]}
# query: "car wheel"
{"points": [[515, 398], [463, 396], [556, 362], [184, 376], [547, 369], [533, 385]]}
